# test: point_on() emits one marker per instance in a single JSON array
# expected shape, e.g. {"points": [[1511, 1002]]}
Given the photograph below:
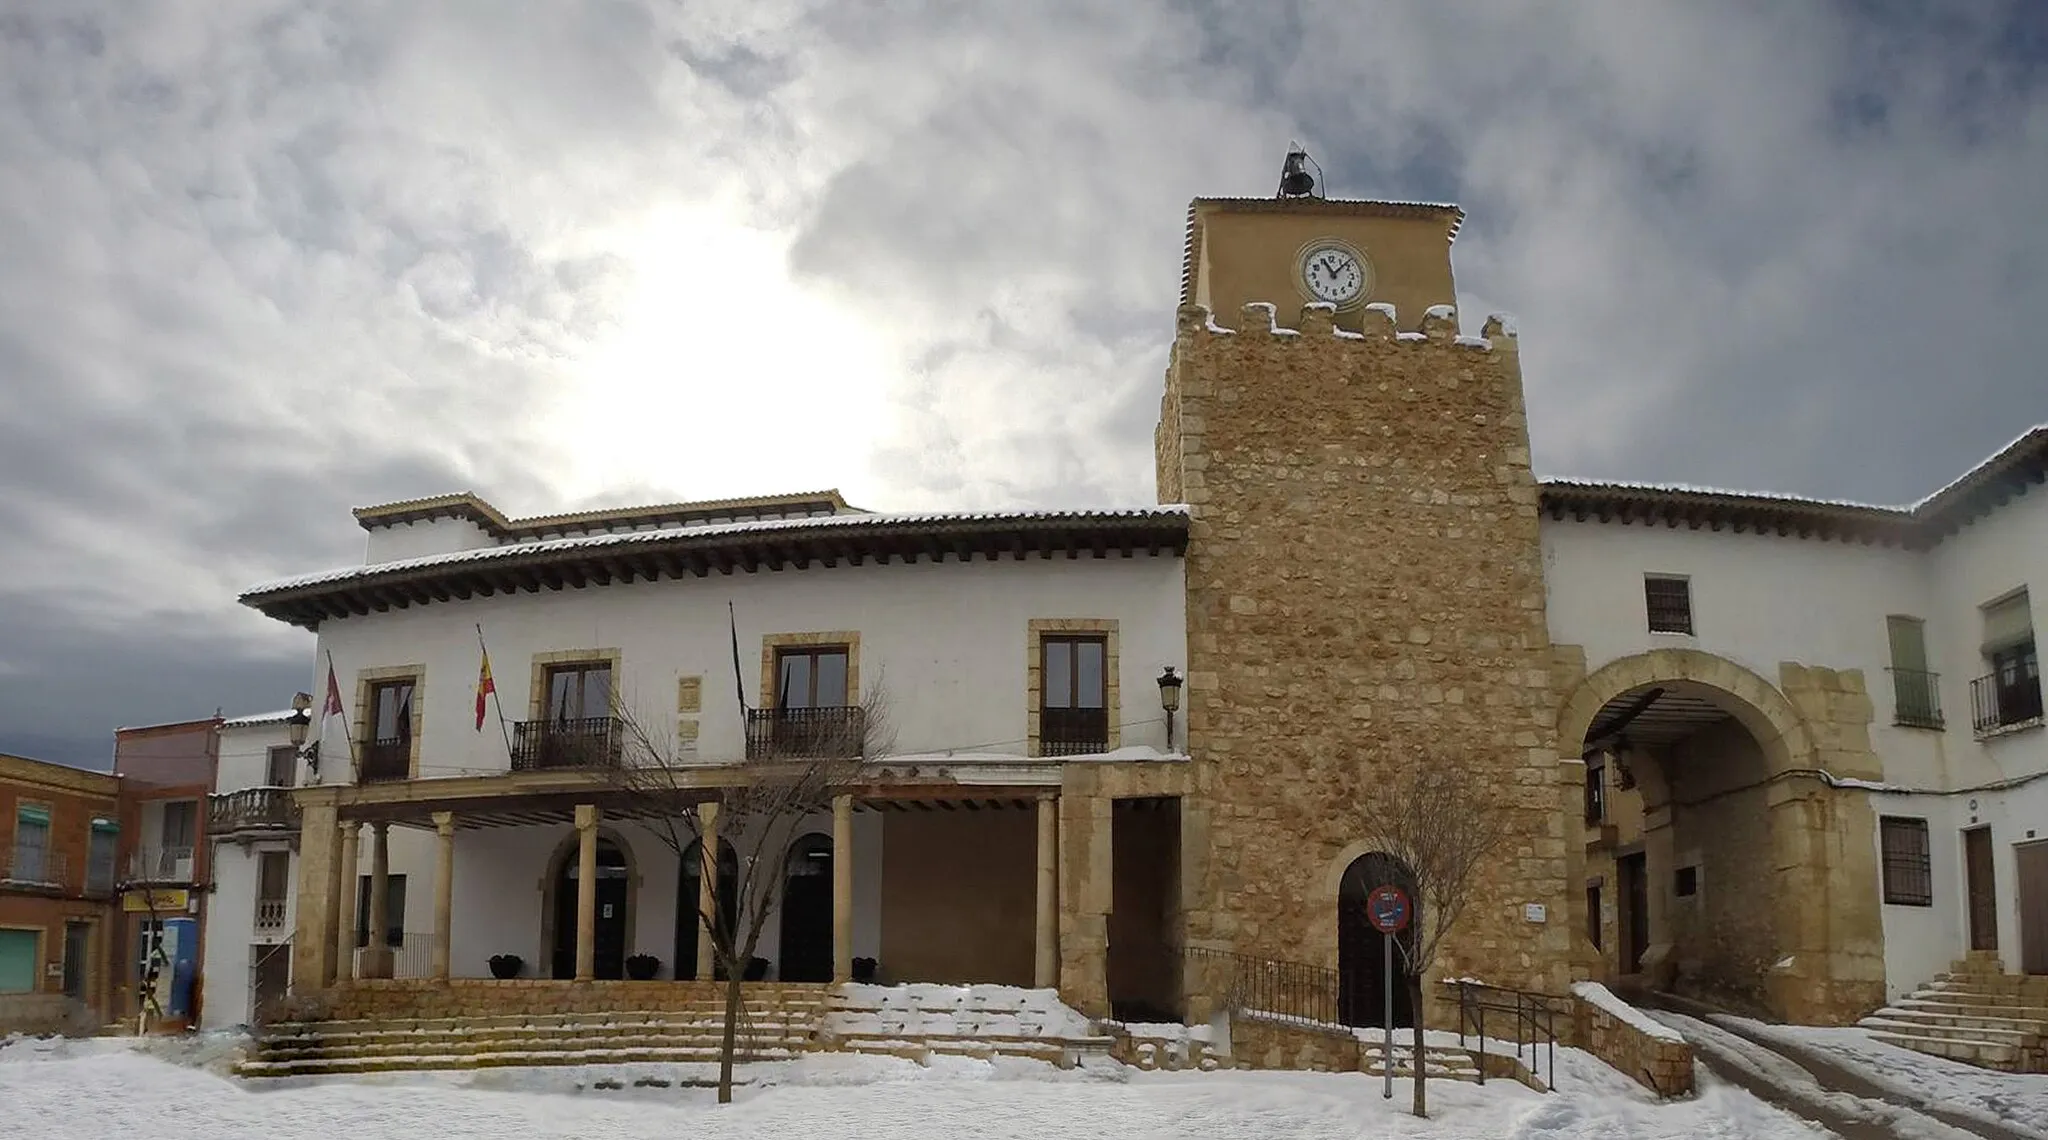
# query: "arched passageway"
{"points": [[1362, 950], [1720, 863]]}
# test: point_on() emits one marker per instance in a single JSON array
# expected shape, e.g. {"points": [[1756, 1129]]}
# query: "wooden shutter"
{"points": [[1909, 643], [2007, 622]]}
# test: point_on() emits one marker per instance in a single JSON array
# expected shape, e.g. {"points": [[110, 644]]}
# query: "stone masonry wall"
{"points": [[414, 999], [1364, 591], [1664, 1067]]}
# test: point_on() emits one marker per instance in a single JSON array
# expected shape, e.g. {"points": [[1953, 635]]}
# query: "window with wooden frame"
{"points": [[280, 764], [386, 751], [579, 691], [811, 676], [1073, 696], [1907, 861], [1668, 600]]}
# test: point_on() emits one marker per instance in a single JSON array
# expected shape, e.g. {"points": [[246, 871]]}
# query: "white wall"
{"points": [[244, 760], [1757, 600], [948, 641], [500, 888]]}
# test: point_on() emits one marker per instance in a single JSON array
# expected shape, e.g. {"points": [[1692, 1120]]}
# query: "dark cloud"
{"points": [[268, 260]]}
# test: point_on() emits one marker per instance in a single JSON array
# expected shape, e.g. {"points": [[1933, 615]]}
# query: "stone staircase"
{"points": [[778, 1027], [1440, 1062], [1974, 1014], [922, 1021]]}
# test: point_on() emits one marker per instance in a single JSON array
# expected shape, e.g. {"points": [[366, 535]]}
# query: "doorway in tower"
{"points": [[610, 940], [1362, 951], [807, 911], [1144, 964], [689, 904]]}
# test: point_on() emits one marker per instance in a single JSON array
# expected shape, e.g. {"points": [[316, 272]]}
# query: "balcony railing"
{"points": [[1916, 698], [544, 745], [835, 732], [270, 914], [2004, 701], [251, 809], [32, 866], [386, 760], [160, 865], [1073, 732]]}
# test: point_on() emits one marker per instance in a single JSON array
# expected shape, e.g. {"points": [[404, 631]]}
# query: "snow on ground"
{"points": [[1797, 1086], [76, 1091], [2016, 1100]]}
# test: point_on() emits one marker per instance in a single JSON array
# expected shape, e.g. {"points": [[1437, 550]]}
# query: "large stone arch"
{"points": [[564, 853], [1821, 892]]}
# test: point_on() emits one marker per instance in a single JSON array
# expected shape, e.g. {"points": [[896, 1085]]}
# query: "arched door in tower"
{"points": [[1361, 950]]}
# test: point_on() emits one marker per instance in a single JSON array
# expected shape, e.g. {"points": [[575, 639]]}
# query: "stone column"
{"points": [[1046, 973], [842, 888], [319, 864], [586, 892], [1084, 895], [707, 889], [345, 908], [377, 961], [444, 891]]}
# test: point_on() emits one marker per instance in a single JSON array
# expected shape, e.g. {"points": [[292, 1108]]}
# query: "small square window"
{"points": [[1688, 883], [1669, 602]]}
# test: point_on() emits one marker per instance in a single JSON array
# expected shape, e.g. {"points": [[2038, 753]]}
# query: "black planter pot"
{"points": [[642, 967], [757, 969], [506, 965]]}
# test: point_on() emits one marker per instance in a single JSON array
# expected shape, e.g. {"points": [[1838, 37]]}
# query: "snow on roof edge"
{"points": [[756, 526]]}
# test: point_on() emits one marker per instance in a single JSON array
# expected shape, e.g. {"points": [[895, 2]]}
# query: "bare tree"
{"points": [[796, 762], [1441, 822]]}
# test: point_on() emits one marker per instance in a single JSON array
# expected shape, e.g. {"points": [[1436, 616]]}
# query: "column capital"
{"points": [[380, 828], [444, 823], [586, 817]]}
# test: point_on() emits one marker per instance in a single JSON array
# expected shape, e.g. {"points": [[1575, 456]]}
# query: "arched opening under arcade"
{"points": [[689, 902], [613, 918], [806, 926]]}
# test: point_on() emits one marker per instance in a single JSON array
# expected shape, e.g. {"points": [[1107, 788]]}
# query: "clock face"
{"points": [[1333, 273]]}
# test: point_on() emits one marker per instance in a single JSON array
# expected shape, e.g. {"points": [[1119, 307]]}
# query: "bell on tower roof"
{"points": [[1295, 180]]}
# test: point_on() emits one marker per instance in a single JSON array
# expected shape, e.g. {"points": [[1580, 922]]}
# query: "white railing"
{"points": [[270, 914], [160, 865], [413, 957]]}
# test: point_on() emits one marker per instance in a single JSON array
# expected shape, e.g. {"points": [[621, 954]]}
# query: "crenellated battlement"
{"points": [[1377, 321]]}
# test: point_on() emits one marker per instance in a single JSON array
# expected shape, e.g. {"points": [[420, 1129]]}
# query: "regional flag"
{"points": [[484, 688]]}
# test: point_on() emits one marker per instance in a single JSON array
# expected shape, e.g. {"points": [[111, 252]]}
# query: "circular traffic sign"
{"points": [[1387, 908]]}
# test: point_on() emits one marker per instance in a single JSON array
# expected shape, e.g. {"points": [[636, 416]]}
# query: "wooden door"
{"points": [[1981, 884], [1635, 911], [2030, 869]]}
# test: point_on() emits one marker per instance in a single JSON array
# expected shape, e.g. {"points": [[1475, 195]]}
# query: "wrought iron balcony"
{"points": [[251, 810], [834, 732], [547, 745], [32, 867], [1073, 732], [160, 865], [386, 760], [1916, 698], [2004, 700]]}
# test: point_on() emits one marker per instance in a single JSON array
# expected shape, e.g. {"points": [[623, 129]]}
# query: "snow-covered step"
{"points": [[1923, 1015], [414, 1061], [1955, 1007], [1881, 1024], [1987, 1054]]}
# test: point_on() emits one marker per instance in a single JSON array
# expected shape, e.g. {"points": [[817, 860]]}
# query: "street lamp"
{"points": [[1169, 699], [300, 720]]}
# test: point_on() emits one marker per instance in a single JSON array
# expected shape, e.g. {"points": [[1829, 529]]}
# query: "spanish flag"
{"points": [[484, 688]]}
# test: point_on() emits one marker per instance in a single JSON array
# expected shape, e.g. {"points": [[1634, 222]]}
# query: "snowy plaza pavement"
{"points": [[81, 1090]]}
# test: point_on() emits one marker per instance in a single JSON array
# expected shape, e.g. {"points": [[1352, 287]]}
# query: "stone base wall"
{"points": [[412, 999], [1256, 1043], [1664, 1067], [44, 1013]]}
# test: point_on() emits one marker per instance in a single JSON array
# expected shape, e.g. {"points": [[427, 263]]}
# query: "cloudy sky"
{"points": [[263, 261]]}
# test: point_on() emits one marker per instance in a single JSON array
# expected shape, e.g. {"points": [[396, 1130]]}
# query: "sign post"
{"points": [[1387, 908]]}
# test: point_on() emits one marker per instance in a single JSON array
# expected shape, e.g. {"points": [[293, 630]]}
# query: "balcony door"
{"points": [[1073, 713], [387, 754]]}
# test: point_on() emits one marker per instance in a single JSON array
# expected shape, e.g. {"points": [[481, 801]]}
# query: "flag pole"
{"points": [[496, 701], [355, 764]]}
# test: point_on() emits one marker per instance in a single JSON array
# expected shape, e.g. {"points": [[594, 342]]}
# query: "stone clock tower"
{"points": [[1364, 582]]}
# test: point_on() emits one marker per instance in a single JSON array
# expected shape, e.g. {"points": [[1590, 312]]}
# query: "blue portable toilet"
{"points": [[181, 945]]}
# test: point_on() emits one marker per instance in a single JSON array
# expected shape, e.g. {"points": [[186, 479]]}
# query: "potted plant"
{"points": [[642, 967], [863, 970], [757, 969], [506, 965]]}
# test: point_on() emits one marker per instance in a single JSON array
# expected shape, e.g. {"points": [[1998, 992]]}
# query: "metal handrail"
{"points": [[1294, 991], [1534, 1015]]}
